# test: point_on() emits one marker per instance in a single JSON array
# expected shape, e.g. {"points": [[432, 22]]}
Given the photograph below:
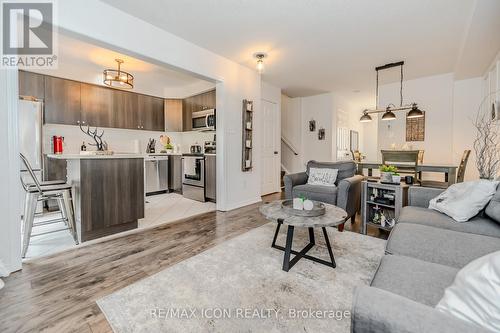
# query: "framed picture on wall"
{"points": [[415, 128]]}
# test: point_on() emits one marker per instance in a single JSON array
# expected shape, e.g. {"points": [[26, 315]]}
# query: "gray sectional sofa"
{"points": [[424, 252]]}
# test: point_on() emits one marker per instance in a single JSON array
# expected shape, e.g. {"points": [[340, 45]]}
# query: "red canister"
{"points": [[57, 143]]}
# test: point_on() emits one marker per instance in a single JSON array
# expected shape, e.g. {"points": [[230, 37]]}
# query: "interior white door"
{"points": [[270, 175]]}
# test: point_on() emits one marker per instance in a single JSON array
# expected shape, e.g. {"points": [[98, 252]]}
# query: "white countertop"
{"points": [[93, 157]]}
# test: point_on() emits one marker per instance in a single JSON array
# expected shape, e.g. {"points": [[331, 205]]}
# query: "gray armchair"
{"points": [[346, 194]]}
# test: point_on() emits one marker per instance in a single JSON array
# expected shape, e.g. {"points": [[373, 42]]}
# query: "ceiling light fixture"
{"points": [[415, 112], [365, 118], [117, 78], [388, 112], [260, 61]]}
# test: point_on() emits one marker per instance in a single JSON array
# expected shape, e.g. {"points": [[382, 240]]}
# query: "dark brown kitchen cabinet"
{"points": [[210, 177], [31, 85], [111, 195], [62, 101], [97, 106], [207, 100], [151, 113], [187, 114], [195, 103], [126, 110], [173, 115], [175, 173], [71, 102]]}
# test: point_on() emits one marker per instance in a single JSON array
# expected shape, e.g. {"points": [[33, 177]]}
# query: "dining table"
{"points": [[449, 170]]}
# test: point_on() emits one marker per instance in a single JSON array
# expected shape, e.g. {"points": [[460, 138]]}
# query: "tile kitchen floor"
{"points": [[159, 209]]}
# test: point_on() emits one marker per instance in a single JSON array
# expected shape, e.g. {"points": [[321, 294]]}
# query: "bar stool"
{"points": [[40, 191]]}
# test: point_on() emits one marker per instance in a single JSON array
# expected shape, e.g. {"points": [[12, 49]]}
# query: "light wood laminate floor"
{"points": [[58, 293]]}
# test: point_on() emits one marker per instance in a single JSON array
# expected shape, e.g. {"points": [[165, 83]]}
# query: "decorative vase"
{"points": [[308, 205], [396, 179], [386, 177], [298, 204]]}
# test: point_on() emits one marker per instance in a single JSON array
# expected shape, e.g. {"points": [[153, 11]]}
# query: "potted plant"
{"points": [[396, 178], [386, 172], [165, 141]]}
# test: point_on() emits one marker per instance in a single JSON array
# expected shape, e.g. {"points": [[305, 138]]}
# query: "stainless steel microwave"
{"points": [[203, 120]]}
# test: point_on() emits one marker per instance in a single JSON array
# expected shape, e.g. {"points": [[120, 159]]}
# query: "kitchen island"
{"points": [[108, 192]]}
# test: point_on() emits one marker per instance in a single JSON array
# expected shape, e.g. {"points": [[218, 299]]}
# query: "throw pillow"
{"points": [[322, 176], [474, 295], [493, 208], [465, 200]]}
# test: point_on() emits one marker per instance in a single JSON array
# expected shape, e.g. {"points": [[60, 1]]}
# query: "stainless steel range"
{"points": [[193, 176]]}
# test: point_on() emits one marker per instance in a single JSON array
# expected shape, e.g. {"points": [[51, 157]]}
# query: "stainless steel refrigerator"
{"points": [[30, 140]]}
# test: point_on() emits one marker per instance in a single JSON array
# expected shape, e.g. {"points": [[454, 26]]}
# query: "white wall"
{"points": [[295, 116], [321, 109], [466, 100], [347, 110], [435, 96], [10, 221], [369, 137], [449, 105], [145, 41], [291, 131], [272, 94]]}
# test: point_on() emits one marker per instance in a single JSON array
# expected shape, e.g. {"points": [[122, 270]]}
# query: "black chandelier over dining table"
{"points": [[388, 111]]}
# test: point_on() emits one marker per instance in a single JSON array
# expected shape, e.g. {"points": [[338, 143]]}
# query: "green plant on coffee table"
{"points": [[388, 168]]}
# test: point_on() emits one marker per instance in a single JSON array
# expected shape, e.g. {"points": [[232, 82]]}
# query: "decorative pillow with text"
{"points": [[322, 176]]}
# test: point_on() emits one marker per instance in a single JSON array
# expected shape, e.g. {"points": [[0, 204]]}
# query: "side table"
{"points": [[381, 199]]}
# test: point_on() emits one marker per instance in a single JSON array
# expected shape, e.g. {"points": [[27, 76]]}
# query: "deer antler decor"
{"points": [[99, 143]]}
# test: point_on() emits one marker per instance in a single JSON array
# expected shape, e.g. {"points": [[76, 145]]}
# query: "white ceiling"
{"points": [[333, 45], [82, 61]]}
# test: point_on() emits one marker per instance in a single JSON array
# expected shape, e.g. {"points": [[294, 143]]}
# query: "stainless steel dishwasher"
{"points": [[156, 173]]}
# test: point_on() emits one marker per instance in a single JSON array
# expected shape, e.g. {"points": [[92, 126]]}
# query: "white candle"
{"points": [[298, 204]]}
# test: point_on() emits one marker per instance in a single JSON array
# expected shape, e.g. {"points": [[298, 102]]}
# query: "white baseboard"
{"points": [[241, 204]]}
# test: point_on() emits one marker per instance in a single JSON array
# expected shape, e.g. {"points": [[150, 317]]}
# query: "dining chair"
{"points": [[40, 191], [460, 173], [407, 160], [421, 156], [356, 155]]}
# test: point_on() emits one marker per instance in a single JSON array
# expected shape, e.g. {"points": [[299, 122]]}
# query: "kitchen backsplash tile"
{"points": [[119, 140]]}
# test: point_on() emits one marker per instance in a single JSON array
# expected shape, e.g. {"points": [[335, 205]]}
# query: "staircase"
{"points": [[282, 181]]}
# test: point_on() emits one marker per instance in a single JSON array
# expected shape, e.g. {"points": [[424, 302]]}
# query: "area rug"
{"points": [[239, 286]]}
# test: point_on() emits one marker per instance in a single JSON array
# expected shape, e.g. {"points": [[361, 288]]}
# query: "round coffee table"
{"points": [[333, 216]]}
